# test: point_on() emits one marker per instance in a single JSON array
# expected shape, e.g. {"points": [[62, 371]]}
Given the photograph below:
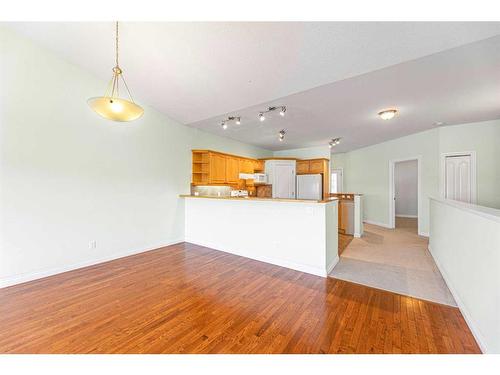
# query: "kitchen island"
{"points": [[297, 234]]}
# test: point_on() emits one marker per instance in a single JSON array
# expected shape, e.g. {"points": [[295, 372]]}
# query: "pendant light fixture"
{"points": [[111, 106]]}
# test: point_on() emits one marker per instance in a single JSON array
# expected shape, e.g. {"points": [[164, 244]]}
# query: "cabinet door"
{"points": [[217, 169], [302, 166], [258, 166], [246, 166], [341, 217], [232, 170], [316, 166]]}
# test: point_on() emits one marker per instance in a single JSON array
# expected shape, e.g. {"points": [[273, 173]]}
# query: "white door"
{"points": [[458, 178], [284, 181], [336, 181]]}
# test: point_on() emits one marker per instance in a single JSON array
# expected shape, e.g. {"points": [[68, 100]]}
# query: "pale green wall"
{"points": [[305, 153], [67, 176], [484, 138], [366, 170]]}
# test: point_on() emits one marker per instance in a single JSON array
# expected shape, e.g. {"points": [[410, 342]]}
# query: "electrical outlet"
{"points": [[92, 244]]}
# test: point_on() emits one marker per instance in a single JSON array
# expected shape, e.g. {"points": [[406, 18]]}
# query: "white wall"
{"points": [[68, 176], [465, 242], [406, 188], [298, 235]]}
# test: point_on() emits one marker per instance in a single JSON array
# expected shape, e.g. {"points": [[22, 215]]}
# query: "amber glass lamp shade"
{"points": [[115, 109]]}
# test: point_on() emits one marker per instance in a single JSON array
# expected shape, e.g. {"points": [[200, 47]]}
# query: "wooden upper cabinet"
{"points": [[317, 166], [302, 167], [232, 170], [258, 165], [217, 169], [246, 165]]}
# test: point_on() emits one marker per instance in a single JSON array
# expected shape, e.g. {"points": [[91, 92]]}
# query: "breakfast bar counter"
{"points": [[297, 234]]}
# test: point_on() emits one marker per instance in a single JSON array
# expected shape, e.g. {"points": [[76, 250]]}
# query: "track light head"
{"points": [[333, 142], [223, 125], [238, 120], [282, 135], [262, 117], [282, 111]]}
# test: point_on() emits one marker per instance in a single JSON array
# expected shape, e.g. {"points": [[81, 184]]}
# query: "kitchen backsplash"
{"points": [[222, 191]]}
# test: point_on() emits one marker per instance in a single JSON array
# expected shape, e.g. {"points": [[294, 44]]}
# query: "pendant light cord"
{"points": [[116, 41]]}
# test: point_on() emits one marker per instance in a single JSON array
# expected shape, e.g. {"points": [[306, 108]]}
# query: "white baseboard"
{"points": [[468, 319], [22, 278], [332, 265], [277, 262], [408, 216], [384, 225], [423, 234]]}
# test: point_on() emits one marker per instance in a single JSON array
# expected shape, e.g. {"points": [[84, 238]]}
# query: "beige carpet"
{"points": [[396, 260]]}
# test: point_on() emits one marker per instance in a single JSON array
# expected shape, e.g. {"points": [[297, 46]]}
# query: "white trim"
{"points": [[277, 262], [332, 265], [424, 234], [342, 179], [408, 216], [467, 316], [30, 276], [473, 172], [392, 206], [384, 225]]}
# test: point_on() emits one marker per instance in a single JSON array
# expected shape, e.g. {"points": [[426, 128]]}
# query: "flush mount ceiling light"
{"points": [[271, 109], [334, 142], [388, 114], [111, 106], [236, 119], [282, 134]]}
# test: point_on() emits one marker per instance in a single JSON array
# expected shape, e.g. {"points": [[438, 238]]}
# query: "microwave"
{"points": [[259, 178]]}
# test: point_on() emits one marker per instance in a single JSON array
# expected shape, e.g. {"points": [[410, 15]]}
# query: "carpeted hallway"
{"points": [[396, 260]]}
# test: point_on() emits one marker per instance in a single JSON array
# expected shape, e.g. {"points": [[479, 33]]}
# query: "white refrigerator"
{"points": [[310, 186]]}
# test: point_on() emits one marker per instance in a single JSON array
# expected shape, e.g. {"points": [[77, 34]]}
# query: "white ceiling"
{"points": [[330, 74]]}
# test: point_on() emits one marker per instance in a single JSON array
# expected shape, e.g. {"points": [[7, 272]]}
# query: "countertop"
{"points": [[260, 199]]}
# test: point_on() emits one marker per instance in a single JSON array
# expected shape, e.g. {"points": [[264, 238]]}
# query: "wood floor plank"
{"points": [[190, 299]]}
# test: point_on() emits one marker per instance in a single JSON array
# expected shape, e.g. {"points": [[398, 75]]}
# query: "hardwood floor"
{"points": [[189, 299]]}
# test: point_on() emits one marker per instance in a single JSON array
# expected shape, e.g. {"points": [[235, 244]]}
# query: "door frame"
{"points": [[330, 182], [392, 190], [473, 171]]}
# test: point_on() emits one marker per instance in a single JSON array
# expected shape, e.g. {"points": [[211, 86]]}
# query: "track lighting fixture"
{"points": [[271, 109], [334, 142], [282, 134], [236, 119]]}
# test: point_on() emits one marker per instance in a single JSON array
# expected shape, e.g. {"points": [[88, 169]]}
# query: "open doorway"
{"points": [[404, 194]]}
